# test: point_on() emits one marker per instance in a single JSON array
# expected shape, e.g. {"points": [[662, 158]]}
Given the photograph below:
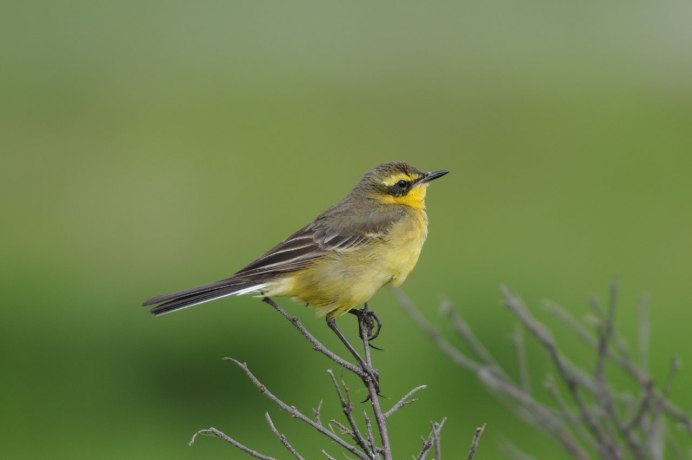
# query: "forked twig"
{"points": [[363, 445], [282, 437], [221, 435], [433, 440], [405, 400], [294, 412], [347, 407]]}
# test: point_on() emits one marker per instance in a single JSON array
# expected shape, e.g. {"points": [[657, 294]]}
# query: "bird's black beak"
{"points": [[432, 176]]}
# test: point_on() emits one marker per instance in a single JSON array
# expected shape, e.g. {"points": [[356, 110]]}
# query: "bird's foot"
{"points": [[368, 324]]}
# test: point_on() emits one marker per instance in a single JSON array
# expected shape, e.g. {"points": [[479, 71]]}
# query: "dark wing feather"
{"points": [[295, 252], [337, 229], [300, 250]]}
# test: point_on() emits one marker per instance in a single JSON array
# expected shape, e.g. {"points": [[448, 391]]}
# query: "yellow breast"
{"points": [[339, 282], [405, 241]]}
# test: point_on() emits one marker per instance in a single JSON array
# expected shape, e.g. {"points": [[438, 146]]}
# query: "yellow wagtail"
{"points": [[369, 239]]}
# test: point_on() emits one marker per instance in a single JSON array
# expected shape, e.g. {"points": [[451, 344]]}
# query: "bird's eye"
{"points": [[403, 183]]}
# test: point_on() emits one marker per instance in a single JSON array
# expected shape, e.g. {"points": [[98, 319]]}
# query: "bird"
{"points": [[371, 238]]}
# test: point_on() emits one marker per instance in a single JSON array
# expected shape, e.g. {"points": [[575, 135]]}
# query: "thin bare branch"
{"points": [[534, 412], [374, 391], [429, 442], [343, 429], [514, 452], [677, 414], [572, 421], [316, 412], [613, 424], [491, 374], [644, 334], [637, 372], [221, 435], [462, 328], [329, 457], [661, 402], [604, 336], [436, 440], [406, 400], [368, 429], [591, 340], [447, 348], [603, 390], [539, 411], [365, 447], [672, 372], [317, 345], [563, 315], [596, 306], [565, 369], [642, 409], [297, 414], [367, 373], [282, 437], [347, 407], [522, 362], [476, 439]]}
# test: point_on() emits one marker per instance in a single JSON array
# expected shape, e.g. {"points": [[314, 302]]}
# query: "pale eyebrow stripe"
{"points": [[391, 180]]}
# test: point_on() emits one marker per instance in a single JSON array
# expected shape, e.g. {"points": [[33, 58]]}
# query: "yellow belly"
{"points": [[340, 281]]}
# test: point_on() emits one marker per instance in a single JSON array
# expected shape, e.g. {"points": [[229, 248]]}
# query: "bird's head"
{"points": [[397, 183]]}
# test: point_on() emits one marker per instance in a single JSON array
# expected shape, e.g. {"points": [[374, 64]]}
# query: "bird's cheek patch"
{"points": [[415, 198]]}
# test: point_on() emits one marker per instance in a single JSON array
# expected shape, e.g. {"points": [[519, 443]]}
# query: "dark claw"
{"points": [[369, 322]]}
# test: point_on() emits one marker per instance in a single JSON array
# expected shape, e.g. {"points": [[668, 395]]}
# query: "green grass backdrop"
{"points": [[151, 146]]}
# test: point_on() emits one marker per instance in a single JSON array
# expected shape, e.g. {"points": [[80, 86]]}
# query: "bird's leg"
{"points": [[372, 373], [371, 321], [331, 322]]}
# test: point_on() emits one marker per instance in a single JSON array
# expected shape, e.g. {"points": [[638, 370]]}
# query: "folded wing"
{"points": [[326, 234]]}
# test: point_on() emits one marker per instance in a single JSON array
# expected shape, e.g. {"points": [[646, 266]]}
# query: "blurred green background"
{"points": [[151, 146]]}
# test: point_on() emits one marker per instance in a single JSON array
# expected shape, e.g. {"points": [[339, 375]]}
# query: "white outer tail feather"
{"points": [[248, 290]]}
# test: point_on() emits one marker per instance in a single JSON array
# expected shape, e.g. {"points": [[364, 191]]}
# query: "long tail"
{"points": [[174, 301]]}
